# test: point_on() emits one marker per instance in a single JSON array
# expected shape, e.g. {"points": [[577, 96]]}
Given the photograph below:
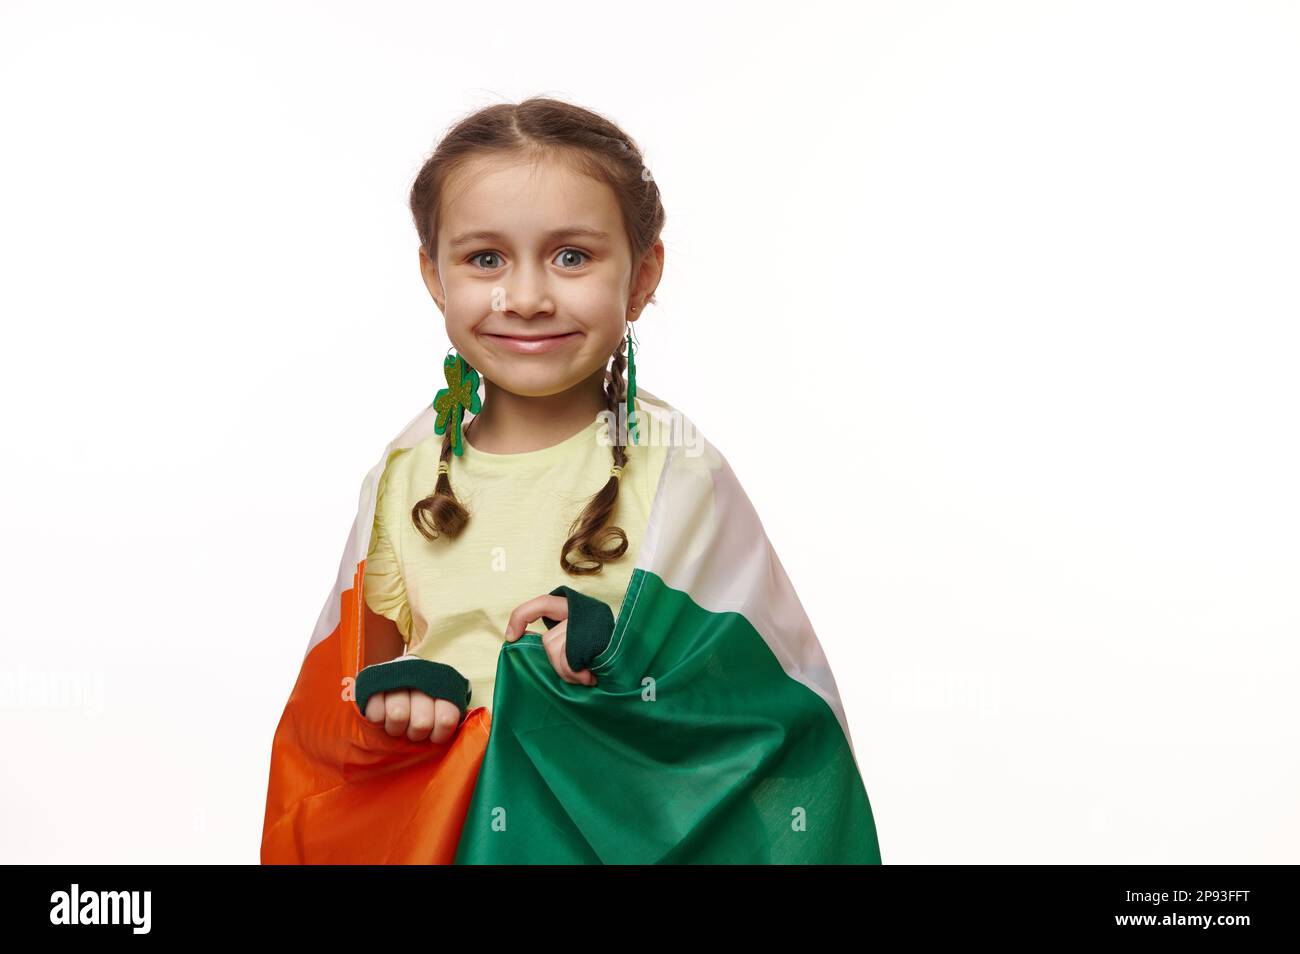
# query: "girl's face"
{"points": [[532, 250]]}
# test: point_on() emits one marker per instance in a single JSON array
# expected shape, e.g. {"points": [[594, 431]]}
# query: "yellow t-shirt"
{"points": [[451, 598]]}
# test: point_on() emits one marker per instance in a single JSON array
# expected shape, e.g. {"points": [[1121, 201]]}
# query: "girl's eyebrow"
{"points": [[569, 231]]}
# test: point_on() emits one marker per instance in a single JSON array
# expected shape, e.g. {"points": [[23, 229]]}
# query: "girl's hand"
{"points": [[411, 713], [557, 608]]}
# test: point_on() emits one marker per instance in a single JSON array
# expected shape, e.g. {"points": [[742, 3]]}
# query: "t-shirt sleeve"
{"points": [[385, 589]]}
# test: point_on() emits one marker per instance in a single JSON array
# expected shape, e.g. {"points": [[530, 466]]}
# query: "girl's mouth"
{"points": [[533, 345]]}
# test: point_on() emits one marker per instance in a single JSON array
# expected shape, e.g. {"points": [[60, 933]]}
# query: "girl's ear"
{"points": [[651, 271], [429, 272]]}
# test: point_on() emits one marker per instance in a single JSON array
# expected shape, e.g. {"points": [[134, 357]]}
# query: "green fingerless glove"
{"points": [[414, 672], [591, 625]]}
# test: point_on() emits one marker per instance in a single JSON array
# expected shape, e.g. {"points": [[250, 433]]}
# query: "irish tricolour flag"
{"points": [[714, 735]]}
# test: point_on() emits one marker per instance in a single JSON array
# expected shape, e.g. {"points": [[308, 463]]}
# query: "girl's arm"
{"points": [[431, 698], [383, 638]]}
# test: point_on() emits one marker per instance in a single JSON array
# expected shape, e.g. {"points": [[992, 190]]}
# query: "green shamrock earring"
{"points": [[631, 390], [460, 393]]}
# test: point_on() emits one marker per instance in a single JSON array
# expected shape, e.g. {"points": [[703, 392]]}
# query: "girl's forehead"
{"points": [[489, 183], [523, 195]]}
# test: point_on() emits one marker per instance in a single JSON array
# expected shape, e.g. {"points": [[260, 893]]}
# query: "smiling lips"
{"points": [[533, 344]]}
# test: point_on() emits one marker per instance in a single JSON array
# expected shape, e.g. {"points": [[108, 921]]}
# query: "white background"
{"points": [[992, 308]]}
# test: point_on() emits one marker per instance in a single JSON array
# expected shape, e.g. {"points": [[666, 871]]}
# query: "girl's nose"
{"points": [[526, 298], [527, 289]]}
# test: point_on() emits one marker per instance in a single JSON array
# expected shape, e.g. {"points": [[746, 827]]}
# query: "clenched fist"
{"points": [[411, 713]]}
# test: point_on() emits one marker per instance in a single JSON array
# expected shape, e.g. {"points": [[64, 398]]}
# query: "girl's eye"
{"points": [[494, 259], [572, 251]]}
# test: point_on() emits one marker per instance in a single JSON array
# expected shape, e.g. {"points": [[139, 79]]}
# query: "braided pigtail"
{"points": [[441, 512], [595, 542]]}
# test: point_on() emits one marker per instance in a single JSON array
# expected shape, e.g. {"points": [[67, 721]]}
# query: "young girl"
{"points": [[674, 704], [538, 268]]}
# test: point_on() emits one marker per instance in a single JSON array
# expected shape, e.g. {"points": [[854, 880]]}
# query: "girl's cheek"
{"points": [[595, 301]]}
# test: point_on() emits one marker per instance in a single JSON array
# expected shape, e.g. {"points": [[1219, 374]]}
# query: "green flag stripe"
{"points": [[695, 747]]}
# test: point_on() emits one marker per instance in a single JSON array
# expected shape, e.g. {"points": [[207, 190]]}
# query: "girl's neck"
{"points": [[513, 424]]}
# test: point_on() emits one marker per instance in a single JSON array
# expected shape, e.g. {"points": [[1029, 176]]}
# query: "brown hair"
{"points": [[540, 128]]}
